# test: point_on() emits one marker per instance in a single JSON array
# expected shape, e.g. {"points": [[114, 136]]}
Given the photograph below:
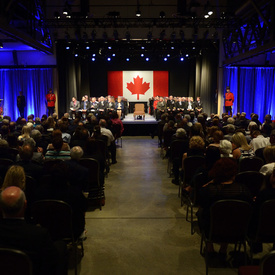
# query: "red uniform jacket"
{"points": [[229, 99], [50, 100]]}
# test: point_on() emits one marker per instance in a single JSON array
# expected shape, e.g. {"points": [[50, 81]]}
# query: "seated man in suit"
{"points": [[161, 108], [34, 240], [93, 105], [198, 106], [74, 106], [85, 105]]}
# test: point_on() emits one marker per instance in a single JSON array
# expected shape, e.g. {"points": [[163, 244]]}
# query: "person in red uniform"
{"points": [[228, 101], [50, 97]]}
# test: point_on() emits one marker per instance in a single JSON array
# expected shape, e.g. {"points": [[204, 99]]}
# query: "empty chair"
{"points": [[14, 262], [139, 111], [250, 164], [252, 180], [266, 267], [229, 220], [95, 188], [263, 225], [190, 166], [191, 199]]}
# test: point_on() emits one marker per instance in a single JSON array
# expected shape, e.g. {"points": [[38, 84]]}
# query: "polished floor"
{"points": [[142, 227]]}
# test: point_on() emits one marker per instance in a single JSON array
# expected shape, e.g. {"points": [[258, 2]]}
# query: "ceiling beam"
{"points": [[24, 38]]}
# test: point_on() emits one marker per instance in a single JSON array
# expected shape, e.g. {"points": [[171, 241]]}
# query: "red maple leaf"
{"points": [[138, 88]]}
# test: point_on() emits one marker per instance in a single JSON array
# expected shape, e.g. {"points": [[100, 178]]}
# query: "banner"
{"points": [[138, 85]]}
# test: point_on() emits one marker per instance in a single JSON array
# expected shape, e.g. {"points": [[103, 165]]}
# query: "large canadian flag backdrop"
{"points": [[138, 85]]}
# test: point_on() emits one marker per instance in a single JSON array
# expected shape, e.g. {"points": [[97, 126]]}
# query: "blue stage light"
{"points": [[147, 59], [182, 59], [109, 59], [76, 55], [67, 48], [165, 58], [142, 55], [93, 59], [114, 54], [127, 59]]}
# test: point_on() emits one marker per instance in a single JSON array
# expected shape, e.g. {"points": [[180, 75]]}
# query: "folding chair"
{"points": [[229, 220], [14, 262], [56, 216], [95, 189]]}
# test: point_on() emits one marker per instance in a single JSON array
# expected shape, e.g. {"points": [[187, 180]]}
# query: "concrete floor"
{"points": [[142, 228]]}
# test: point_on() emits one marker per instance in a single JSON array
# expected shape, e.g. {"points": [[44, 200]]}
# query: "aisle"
{"points": [[142, 228]]}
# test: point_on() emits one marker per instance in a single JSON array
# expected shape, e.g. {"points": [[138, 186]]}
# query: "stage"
{"points": [[139, 127]]}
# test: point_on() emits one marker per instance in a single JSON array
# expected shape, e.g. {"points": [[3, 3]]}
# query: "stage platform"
{"points": [[138, 127]]}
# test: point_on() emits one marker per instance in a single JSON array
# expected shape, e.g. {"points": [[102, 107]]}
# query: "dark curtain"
{"points": [[253, 88], [34, 83], [206, 81]]}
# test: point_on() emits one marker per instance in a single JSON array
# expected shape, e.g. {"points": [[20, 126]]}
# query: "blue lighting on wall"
{"points": [[253, 89], [34, 83]]}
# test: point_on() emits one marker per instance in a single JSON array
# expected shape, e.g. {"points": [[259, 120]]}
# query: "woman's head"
{"points": [[225, 169], [196, 142], [239, 140], [15, 176]]}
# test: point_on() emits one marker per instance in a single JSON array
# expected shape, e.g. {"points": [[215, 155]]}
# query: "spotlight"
{"points": [[210, 12], [94, 54], [162, 14], [87, 48], [76, 55], [127, 59], [109, 59], [93, 59], [138, 13], [165, 59], [147, 59], [142, 48], [182, 59], [168, 55], [56, 15], [206, 16], [142, 55], [172, 48], [67, 48], [114, 54], [187, 55], [109, 47]]}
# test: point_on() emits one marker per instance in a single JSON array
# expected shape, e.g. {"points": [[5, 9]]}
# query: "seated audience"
{"points": [[57, 152]]}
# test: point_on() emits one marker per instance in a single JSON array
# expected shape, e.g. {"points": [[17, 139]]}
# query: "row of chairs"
{"points": [[229, 223]]}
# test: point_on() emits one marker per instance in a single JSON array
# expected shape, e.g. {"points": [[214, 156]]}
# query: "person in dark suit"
{"points": [[34, 240], [198, 106], [74, 106], [21, 103]]}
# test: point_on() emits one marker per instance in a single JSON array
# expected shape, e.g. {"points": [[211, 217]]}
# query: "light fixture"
{"points": [[93, 59], [147, 59], [138, 12], [56, 15], [109, 59], [127, 59], [162, 14], [182, 59]]}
